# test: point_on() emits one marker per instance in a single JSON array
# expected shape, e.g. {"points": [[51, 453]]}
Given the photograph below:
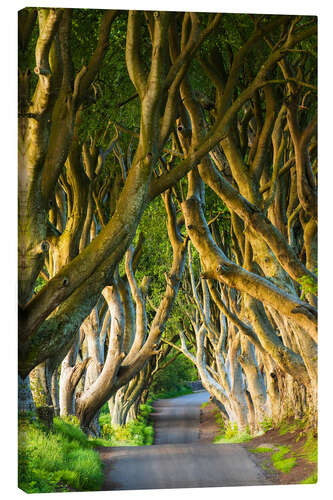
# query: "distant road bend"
{"points": [[178, 459]]}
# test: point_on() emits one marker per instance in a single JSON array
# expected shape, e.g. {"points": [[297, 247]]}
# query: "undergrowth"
{"points": [[229, 432], [308, 451], [139, 432], [293, 426], [282, 463], [59, 460], [64, 459], [283, 459], [180, 391]]}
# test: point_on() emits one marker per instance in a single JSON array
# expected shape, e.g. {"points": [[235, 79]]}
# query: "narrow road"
{"points": [[178, 459], [177, 420]]}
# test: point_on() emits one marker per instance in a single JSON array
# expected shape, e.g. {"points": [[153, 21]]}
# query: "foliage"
{"points": [[58, 460], [40, 282], [230, 433], [135, 433], [171, 381], [308, 285], [180, 391], [292, 426], [157, 253], [266, 424]]}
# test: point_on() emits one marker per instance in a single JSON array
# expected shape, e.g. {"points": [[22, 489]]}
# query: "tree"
{"points": [[265, 269], [215, 113], [51, 318]]}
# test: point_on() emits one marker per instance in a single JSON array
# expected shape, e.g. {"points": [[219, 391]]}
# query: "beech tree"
{"points": [[74, 278], [253, 171], [204, 110]]}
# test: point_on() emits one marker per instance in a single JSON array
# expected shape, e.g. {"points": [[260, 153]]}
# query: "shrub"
{"points": [[171, 381], [230, 433], [135, 433]]}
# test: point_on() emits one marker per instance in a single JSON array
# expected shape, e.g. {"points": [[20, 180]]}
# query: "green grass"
{"points": [[240, 438], [136, 433], [310, 449], [279, 459], [229, 433], [293, 426], [310, 453], [313, 479], [206, 403], [64, 459], [285, 464], [266, 424], [58, 460], [282, 463]]}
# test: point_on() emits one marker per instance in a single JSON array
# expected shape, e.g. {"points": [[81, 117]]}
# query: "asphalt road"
{"points": [[178, 459], [177, 420]]}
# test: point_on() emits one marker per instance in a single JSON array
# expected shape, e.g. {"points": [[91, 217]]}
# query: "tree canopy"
{"points": [[167, 206]]}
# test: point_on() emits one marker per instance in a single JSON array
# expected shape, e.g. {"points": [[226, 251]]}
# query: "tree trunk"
{"points": [[25, 400], [255, 382]]}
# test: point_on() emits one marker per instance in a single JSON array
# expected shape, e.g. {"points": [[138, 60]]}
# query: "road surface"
{"points": [[178, 459]]}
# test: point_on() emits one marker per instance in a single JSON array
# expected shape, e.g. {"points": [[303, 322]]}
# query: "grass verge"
{"points": [[229, 433], [59, 460], [285, 451], [291, 455], [63, 459]]}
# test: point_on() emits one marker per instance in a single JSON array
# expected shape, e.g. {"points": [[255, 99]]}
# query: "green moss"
{"points": [[308, 285]]}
